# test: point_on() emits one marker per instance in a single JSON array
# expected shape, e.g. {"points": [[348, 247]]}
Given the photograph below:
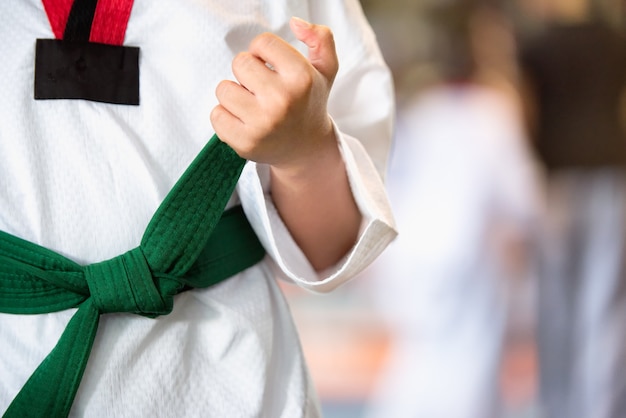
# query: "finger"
{"points": [[282, 57], [321, 43], [251, 71], [235, 98], [226, 125]]}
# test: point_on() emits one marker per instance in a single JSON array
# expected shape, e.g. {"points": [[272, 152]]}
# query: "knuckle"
{"points": [[216, 115], [242, 60], [221, 90], [263, 41]]}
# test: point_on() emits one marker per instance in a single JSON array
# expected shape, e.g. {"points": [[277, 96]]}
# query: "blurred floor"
{"points": [[345, 342]]}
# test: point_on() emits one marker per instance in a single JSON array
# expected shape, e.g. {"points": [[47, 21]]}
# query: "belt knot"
{"points": [[127, 284]]}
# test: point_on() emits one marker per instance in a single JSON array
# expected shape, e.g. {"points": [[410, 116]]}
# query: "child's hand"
{"points": [[277, 113]]}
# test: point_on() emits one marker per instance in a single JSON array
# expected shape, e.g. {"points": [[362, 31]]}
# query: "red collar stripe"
{"points": [[109, 23], [58, 11]]}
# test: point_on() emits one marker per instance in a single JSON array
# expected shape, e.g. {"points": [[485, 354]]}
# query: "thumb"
{"points": [[319, 39]]}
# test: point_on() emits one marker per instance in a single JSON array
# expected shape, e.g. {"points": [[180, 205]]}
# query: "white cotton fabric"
{"points": [[84, 179]]}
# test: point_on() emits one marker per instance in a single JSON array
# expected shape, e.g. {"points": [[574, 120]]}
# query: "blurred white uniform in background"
{"points": [[464, 193]]}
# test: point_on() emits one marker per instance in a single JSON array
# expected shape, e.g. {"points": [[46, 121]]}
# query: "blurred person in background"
{"points": [[463, 188], [574, 68]]}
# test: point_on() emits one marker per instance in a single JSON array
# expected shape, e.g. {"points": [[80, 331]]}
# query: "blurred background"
{"points": [[443, 325]]}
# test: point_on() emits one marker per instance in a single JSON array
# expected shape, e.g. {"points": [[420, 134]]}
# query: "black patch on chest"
{"points": [[85, 70]]}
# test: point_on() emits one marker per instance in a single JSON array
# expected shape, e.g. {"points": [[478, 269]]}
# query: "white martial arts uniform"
{"points": [[460, 174], [84, 178]]}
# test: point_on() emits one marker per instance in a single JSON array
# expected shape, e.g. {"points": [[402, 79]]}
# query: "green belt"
{"points": [[189, 243]]}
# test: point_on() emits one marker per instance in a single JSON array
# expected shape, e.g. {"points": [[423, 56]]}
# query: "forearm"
{"points": [[276, 114], [317, 207]]}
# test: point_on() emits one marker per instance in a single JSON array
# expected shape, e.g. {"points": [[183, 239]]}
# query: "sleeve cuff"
{"points": [[377, 230]]}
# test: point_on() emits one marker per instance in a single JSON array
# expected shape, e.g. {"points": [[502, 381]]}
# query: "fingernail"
{"points": [[301, 23]]}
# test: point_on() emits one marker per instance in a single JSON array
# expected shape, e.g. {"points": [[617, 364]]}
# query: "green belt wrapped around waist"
{"points": [[189, 243]]}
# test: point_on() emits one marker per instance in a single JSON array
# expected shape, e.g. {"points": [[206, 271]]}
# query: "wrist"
{"points": [[319, 161]]}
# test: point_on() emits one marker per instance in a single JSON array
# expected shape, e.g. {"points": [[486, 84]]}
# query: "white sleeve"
{"points": [[362, 108]]}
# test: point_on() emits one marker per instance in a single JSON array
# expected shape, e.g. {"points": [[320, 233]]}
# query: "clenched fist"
{"points": [[276, 111]]}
